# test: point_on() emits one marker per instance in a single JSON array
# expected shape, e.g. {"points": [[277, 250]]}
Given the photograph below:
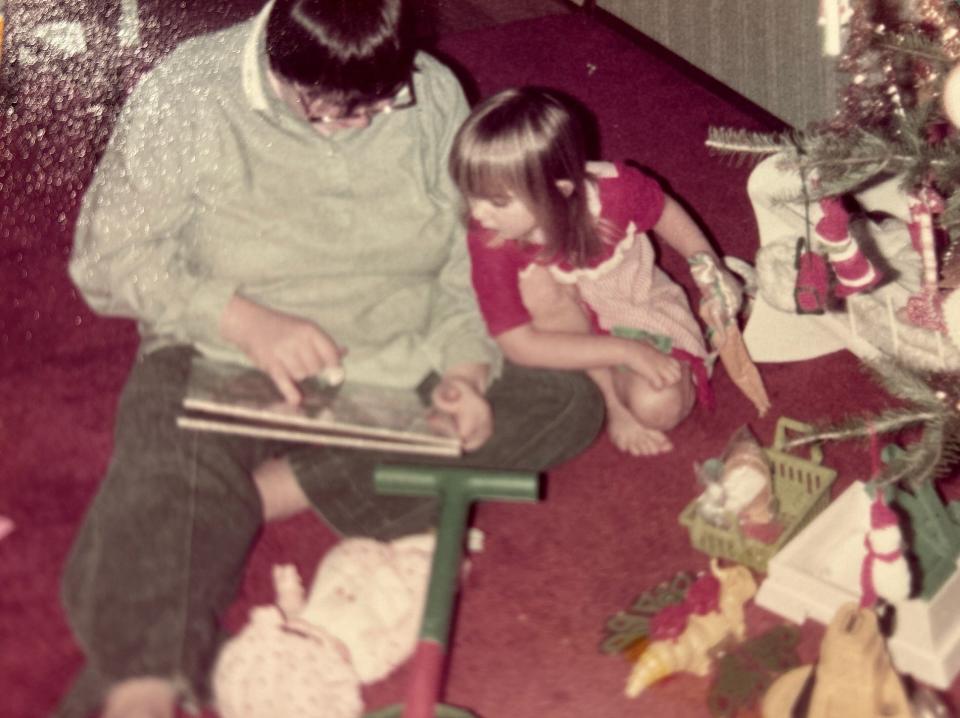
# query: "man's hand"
{"points": [[284, 346], [460, 407]]}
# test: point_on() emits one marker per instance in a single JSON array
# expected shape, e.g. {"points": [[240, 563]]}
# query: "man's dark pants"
{"points": [[163, 546]]}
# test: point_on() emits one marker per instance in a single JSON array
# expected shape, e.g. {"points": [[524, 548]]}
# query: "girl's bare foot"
{"points": [[144, 697], [632, 437]]}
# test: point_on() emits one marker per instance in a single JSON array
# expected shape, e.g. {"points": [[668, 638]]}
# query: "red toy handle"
{"points": [[423, 692]]}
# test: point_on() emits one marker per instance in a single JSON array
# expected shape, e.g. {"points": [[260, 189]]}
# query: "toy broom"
{"points": [[718, 309], [736, 360]]}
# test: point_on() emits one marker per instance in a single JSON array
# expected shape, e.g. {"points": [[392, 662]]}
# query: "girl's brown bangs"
{"points": [[486, 181], [488, 166]]}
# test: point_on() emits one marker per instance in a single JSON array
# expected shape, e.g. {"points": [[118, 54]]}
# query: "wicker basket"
{"points": [[801, 487]]}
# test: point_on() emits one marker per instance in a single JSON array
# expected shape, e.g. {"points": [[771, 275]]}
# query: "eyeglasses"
{"points": [[405, 98]]}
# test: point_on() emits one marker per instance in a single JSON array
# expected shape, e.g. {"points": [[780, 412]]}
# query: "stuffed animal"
{"points": [[693, 649], [309, 655], [740, 484]]}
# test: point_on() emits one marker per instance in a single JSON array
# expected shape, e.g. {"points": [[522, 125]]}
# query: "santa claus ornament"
{"points": [[855, 273], [884, 573]]}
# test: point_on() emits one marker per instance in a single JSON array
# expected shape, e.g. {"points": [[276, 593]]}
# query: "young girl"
{"points": [[563, 270]]}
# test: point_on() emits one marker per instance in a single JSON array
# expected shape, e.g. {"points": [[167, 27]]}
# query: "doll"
{"points": [[309, 655]]}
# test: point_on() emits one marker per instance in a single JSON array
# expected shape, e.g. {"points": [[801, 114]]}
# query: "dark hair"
{"points": [[525, 141], [355, 51]]}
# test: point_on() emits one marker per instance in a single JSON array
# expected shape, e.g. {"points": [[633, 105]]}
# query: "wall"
{"points": [[770, 51]]}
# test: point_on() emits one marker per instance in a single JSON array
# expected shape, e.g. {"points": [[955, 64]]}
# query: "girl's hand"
{"points": [[286, 347], [721, 294], [458, 407], [659, 369]]}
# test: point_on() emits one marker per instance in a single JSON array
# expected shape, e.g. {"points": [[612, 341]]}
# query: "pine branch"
{"points": [[900, 380], [949, 448], [913, 467], [917, 47], [731, 141], [885, 423], [932, 401], [845, 163]]}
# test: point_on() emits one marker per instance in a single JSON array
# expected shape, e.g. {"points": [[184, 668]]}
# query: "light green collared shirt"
{"points": [[212, 186]]}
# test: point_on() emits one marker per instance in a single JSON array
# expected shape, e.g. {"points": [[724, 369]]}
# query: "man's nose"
{"points": [[358, 121]]}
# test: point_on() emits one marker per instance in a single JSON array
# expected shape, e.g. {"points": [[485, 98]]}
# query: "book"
{"points": [[233, 399]]}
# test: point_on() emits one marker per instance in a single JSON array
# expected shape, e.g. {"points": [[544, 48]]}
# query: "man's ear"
{"points": [[565, 187]]}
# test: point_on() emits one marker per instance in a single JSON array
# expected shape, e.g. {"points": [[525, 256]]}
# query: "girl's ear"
{"points": [[565, 187]]}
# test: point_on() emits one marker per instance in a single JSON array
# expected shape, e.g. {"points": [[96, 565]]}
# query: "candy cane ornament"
{"points": [[924, 309]]}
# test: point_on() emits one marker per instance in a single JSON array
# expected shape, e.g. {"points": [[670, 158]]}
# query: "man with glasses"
{"points": [[276, 194]]}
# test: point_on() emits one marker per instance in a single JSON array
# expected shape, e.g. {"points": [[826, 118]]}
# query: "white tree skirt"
{"points": [[129, 29], [866, 324]]}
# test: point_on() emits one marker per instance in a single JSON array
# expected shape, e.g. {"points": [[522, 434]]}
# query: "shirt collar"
{"points": [[252, 77]]}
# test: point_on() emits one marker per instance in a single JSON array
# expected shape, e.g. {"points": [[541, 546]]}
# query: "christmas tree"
{"points": [[894, 117], [897, 118]]}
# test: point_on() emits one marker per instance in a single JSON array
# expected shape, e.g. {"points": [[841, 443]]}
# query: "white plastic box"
{"points": [[819, 570]]}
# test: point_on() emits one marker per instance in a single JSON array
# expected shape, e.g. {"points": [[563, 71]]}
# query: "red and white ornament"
{"points": [[884, 572], [853, 269], [924, 308]]}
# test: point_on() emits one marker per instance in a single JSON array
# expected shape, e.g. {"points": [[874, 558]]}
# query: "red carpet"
{"points": [[531, 612]]}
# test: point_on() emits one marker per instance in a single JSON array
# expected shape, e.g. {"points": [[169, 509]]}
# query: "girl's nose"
{"points": [[478, 210]]}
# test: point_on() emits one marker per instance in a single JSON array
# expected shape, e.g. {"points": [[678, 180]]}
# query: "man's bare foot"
{"points": [[145, 697], [629, 435]]}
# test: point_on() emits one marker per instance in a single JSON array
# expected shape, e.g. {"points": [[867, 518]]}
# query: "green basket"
{"points": [[802, 490]]}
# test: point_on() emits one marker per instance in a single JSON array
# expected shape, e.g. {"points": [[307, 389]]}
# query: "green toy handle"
{"points": [[456, 488]]}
